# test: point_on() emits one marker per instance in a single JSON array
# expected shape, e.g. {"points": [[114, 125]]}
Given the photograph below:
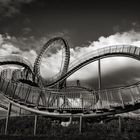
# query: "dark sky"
{"points": [[79, 21]]}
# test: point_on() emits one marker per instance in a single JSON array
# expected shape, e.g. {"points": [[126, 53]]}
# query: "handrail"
{"points": [[78, 99]]}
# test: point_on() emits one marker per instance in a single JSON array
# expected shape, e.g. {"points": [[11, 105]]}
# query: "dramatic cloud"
{"points": [[8, 8], [130, 37], [7, 48]]}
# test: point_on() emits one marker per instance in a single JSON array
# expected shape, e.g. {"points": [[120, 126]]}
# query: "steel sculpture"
{"points": [[25, 88]]}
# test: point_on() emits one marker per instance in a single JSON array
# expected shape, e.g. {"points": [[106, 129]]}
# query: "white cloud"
{"points": [[1, 39], [7, 49], [130, 37], [30, 55]]}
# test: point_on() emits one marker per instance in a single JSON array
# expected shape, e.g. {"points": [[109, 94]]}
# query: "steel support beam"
{"points": [[99, 74], [120, 125], [99, 81], [80, 125], [20, 111], [35, 124], [70, 120], [7, 118]]}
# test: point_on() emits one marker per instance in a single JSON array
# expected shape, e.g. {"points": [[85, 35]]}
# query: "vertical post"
{"points": [[78, 83], [64, 98], [70, 120], [120, 95], [82, 101], [57, 96], [19, 111], [99, 74], [132, 97], [80, 125], [107, 99], [99, 81], [58, 101], [35, 124], [120, 127], [7, 118]]}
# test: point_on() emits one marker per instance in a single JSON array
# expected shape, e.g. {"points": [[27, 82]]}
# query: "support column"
{"points": [[120, 126], [120, 95], [99, 74], [7, 118], [20, 111], [58, 101], [80, 125], [70, 120], [82, 101], [35, 124], [99, 81]]}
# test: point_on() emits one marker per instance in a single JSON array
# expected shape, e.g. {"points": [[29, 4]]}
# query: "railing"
{"points": [[26, 94], [79, 99], [16, 58], [128, 49]]}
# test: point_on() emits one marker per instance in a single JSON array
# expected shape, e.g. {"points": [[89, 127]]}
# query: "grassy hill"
{"points": [[22, 128]]}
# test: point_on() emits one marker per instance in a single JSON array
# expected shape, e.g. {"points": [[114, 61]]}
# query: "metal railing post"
{"points": [[7, 118], [120, 126], [99, 82], [80, 125], [35, 124]]}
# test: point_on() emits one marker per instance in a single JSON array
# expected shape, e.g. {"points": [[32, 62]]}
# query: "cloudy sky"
{"points": [[80, 21], [25, 25]]}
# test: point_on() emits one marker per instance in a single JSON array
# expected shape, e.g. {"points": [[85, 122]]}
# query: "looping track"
{"points": [[65, 64], [76, 101]]}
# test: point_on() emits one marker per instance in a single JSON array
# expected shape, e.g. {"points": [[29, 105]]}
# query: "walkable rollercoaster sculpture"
{"points": [[27, 89]]}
